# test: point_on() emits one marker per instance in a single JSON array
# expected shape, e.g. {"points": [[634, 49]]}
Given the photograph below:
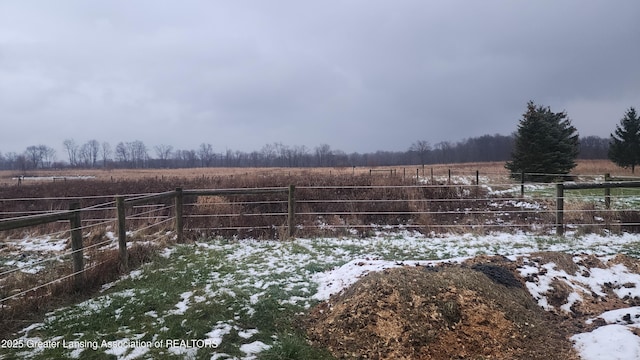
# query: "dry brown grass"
{"points": [[462, 209], [7, 176], [584, 167], [600, 167], [101, 269]]}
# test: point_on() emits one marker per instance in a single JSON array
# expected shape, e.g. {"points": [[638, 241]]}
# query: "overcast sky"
{"points": [[359, 75]]}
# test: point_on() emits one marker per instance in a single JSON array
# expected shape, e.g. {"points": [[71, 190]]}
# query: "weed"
{"points": [[293, 346], [314, 267]]}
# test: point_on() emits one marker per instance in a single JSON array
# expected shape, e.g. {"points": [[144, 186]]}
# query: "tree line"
{"points": [[136, 154]]}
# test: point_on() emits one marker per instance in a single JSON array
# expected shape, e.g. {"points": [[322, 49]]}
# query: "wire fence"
{"points": [[35, 259], [43, 260]]}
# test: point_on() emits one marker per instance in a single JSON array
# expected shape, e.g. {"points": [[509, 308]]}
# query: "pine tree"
{"points": [[545, 143], [624, 147]]}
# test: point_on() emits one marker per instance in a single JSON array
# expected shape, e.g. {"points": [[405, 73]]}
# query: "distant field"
{"points": [[494, 170], [245, 295]]}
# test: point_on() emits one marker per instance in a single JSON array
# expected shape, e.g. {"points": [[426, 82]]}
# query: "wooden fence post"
{"points": [[522, 184], [291, 220], [560, 209], [607, 192], [179, 220], [122, 233], [75, 223]]}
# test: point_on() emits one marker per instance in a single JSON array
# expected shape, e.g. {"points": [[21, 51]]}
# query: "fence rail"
{"points": [[607, 186], [285, 210], [122, 204]]}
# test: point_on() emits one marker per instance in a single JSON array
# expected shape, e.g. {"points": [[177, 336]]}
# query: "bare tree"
{"points": [[283, 154], [9, 162], [93, 147], [34, 156], [206, 155], [230, 158], [122, 154], [187, 158], [268, 152], [106, 153], [88, 153], [48, 155], [323, 154], [422, 149], [339, 158], [22, 162], [138, 153], [444, 152], [40, 156], [72, 151], [299, 154], [164, 153], [84, 155], [254, 158]]}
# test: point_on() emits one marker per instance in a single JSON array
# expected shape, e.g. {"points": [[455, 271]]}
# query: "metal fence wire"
{"points": [[84, 235]]}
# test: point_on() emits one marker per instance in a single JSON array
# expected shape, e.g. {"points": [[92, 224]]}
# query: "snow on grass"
{"points": [[218, 332], [183, 305], [26, 255], [228, 296], [39, 244], [126, 352], [253, 348], [54, 178]]}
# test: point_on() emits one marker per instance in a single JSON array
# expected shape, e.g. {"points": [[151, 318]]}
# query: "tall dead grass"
{"points": [[328, 201], [333, 200], [48, 294]]}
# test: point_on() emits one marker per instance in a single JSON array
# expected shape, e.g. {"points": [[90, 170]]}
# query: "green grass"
{"points": [[621, 198], [632, 249], [213, 286], [544, 242], [292, 346], [241, 293]]}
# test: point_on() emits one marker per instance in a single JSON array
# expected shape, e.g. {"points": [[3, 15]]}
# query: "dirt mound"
{"points": [[469, 311], [581, 286]]}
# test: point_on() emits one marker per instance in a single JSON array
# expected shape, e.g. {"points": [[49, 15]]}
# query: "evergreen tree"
{"points": [[624, 147], [545, 143]]}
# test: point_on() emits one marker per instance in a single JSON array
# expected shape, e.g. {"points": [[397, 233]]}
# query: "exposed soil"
{"points": [[591, 304], [477, 310]]}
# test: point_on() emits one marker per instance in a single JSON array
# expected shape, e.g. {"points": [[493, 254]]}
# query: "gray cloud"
{"points": [[358, 75]]}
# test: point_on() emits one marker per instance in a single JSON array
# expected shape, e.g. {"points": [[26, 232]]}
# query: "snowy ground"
{"points": [[54, 178], [237, 279]]}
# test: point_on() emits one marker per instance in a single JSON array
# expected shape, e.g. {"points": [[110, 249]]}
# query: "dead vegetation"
{"points": [[329, 201], [449, 312], [49, 294]]}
